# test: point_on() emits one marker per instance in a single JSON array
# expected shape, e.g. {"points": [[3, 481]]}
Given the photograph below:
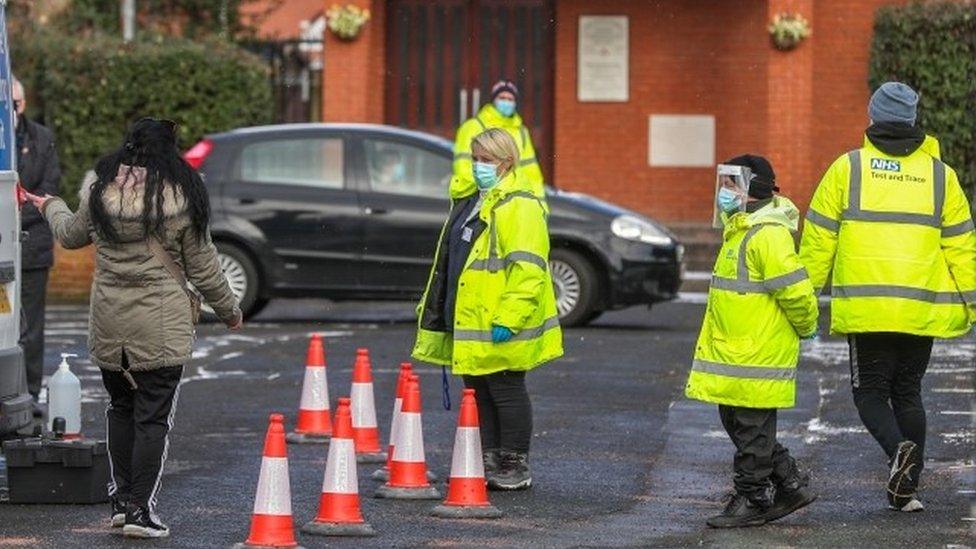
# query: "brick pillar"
{"points": [[790, 107], [353, 90]]}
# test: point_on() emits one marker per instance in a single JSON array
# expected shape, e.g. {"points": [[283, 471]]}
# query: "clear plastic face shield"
{"points": [[731, 192]]}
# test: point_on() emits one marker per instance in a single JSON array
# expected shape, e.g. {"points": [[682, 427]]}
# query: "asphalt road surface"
{"points": [[619, 457]]}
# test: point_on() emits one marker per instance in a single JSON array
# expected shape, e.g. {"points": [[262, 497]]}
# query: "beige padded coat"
{"points": [[136, 305]]}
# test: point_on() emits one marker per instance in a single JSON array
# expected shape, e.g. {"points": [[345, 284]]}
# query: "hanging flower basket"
{"points": [[787, 30], [346, 22]]}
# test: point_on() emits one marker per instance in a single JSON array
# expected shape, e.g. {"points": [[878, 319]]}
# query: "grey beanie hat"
{"points": [[894, 102]]}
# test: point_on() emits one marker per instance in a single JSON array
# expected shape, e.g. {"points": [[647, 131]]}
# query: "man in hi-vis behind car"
{"points": [[891, 220]]}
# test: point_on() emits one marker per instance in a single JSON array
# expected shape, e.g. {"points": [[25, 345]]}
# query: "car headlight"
{"points": [[629, 227]]}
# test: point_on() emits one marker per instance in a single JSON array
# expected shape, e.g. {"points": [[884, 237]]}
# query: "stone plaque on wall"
{"points": [[681, 140], [603, 67]]}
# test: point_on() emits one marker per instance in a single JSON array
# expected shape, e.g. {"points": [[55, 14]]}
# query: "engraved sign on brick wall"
{"points": [[603, 70]]}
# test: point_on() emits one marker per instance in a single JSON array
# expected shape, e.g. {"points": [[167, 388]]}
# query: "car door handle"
{"points": [[247, 200], [375, 211]]}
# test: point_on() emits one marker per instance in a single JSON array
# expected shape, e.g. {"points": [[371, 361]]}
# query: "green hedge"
{"points": [[87, 90], [932, 47]]}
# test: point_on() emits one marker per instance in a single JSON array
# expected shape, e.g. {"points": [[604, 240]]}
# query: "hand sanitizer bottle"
{"points": [[64, 399]]}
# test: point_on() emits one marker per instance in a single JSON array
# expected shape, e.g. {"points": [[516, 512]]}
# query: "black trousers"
{"points": [[886, 378], [139, 421], [760, 461], [504, 410], [33, 294]]}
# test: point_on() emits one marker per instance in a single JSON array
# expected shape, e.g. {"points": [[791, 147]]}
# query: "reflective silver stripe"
{"points": [[480, 123], [495, 264], [517, 194], [895, 217], [904, 292], [527, 161], [757, 287], [854, 189], [788, 279], [957, 229], [733, 285], [819, 219], [742, 272], [462, 156], [855, 213], [969, 296], [523, 133], [524, 335], [747, 372]]}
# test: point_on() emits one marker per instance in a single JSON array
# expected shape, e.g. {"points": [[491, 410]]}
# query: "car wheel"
{"points": [[575, 281], [242, 277]]}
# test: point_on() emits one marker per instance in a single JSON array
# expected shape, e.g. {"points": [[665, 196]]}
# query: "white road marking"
{"points": [[958, 412], [953, 390]]}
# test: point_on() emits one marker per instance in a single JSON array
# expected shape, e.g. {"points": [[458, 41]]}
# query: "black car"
{"points": [[354, 211]]}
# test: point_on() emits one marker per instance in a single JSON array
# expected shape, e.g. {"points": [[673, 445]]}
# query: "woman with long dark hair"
{"points": [[147, 212]]}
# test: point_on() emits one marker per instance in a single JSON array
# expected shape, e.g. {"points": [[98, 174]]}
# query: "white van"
{"points": [[15, 402]]}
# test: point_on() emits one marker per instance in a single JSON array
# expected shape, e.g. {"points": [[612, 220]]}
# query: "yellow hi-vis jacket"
{"points": [[898, 234], [505, 282], [759, 304], [528, 168]]}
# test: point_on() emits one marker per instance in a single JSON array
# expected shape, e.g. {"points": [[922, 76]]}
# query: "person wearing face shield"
{"points": [[502, 113], [760, 304], [489, 310]]}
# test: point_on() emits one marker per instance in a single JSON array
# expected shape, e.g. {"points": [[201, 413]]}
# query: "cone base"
{"points": [[383, 475], [466, 511], [350, 529], [371, 457], [246, 546], [391, 492], [306, 438]]}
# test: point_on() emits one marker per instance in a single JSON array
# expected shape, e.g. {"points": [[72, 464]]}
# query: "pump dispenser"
{"points": [[64, 399]]}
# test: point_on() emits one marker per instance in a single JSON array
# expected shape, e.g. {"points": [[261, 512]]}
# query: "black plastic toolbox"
{"points": [[56, 471]]}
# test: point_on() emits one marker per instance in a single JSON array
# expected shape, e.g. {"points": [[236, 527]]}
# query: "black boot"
{"points": [[741, 511], [513, 472], [118, 511], [491, 461], [142, 523], [791, 495], [906, 467]]}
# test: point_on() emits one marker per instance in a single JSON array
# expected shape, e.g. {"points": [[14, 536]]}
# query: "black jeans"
{"points": [[504, 410], [138, 424], [33, 293], [760, 461], [886, 378]]}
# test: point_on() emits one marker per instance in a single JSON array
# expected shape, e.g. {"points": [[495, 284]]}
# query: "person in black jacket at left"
{"points": [[40, 173]]}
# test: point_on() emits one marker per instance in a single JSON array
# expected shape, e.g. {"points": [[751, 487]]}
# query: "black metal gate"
{"points": [[296, 77]]}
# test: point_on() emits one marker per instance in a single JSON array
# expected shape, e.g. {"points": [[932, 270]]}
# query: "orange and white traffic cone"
{"points": [[271, 523], [467, 491], [339, 512], [364, 429], [314, 424], [408, 469], [383, 474]]}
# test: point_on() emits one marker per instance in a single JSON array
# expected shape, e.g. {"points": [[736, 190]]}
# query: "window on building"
{"points": [[313, 162], [397, 168]]}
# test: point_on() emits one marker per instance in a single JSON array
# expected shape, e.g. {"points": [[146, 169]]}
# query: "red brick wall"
{"points": [[354, 71], [686, 57]]}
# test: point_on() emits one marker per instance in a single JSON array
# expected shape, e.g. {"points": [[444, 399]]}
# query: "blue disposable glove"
{"points": [[500, 334]]}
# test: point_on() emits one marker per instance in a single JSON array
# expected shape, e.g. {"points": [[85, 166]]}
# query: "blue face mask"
{"points": [[485, 175], [505, 107], [728, 200]]}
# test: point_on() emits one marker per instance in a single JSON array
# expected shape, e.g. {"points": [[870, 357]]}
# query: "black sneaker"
{"points": [[491, 461], [118, 512], [791, 495], [903, 479], [141, 523], [512, 473], [740, 512]]}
